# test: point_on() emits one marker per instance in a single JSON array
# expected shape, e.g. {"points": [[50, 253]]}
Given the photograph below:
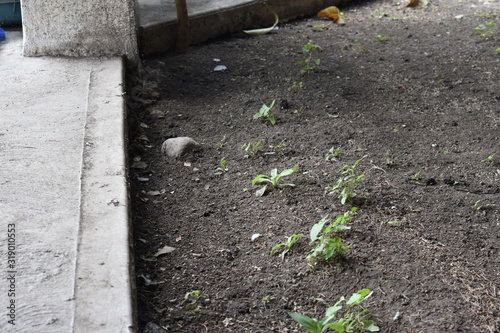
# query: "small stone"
{"points": [[176, 147]]}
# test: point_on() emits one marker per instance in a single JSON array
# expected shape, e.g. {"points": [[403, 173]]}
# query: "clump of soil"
{"points": [[415, 90]]}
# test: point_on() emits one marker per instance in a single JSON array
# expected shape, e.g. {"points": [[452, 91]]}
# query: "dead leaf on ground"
{"points": [[164, 250], [332, 13], [139, 165], [256, 32], [414, 3]]}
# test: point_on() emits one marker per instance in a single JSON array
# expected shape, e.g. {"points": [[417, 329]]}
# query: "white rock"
{"points": [[176, 147]]}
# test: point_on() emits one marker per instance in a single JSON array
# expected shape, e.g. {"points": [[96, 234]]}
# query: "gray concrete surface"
{"points": [[80, 28], [210, 19], [64, 227]]}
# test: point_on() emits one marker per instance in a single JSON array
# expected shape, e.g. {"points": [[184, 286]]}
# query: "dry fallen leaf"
{"points": [[332, 13], [414, 3]]}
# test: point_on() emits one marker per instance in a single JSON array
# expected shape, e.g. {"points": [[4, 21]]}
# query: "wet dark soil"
{"points": [[416, 91]]}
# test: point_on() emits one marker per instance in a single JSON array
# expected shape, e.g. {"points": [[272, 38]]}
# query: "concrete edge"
{"points": [[161, 37], [104, 279]]}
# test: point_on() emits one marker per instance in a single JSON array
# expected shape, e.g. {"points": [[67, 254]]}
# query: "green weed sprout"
{"points": [[273, 180], [223, 167], [266, 114], [416, 176], [333, 153], [355, 318], [491, 159], [309, 63], [327, 247], [383, 37], [251, 149], [479, 206], [347, 182], [192, 298], [285, 247]]}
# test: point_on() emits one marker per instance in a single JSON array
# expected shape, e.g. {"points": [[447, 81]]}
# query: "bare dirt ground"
{"points": [[416, 91]]}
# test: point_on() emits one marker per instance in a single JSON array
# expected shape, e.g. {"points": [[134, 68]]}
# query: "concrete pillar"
{"points": [[76, 28]]}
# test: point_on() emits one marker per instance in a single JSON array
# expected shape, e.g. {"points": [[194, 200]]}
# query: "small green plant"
{"points": [[354, 319], [486, 206], [191, 298], [222, 168], [416, 176], [279, 145], [378, 14], [383, 37], [347, 182], [390, 160], [273, 180], [298, 112], [491, 160], [267, 299], [333, 154], [309, 63], [297, 84], [266, 114], [284, 248], [487, 29], [497, 50], [397, 223], [251, 149], [328, 247]]}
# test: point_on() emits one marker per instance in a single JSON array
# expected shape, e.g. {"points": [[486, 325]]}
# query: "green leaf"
{"points": [[310, 324], [358, 298], [370, 326], [316, 229], [287, 172], [274, 173], [337, 327], [260, 179], [261, 192]]}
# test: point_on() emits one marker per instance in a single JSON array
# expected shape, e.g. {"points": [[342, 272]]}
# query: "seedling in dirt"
{"points": [[251, 149], [491, 159], [497, 50], [486, 206], [309, 63], [354, 319], [273, 180], [328, 248], [390, 160], [223, 167], [191, 298], [378, 14], [221, 144], [279, 145], [383, 37], [347, 182], [333, 154], [487, 28], [266, 114], [284, 248], [297, 84], [416, 176], [299, 111], [396, 223], [268, 299]]}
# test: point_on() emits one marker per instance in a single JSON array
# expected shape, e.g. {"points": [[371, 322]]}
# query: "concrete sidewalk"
{"points": [[64, 226]]}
